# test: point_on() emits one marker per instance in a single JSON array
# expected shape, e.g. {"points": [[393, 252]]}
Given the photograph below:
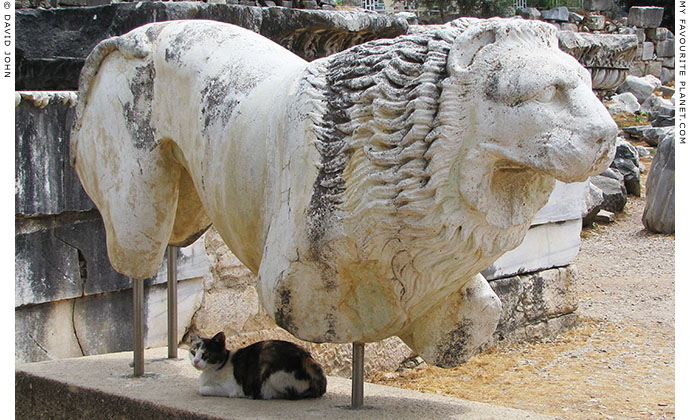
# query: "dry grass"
{"points": [[598, 370], [630, 120]]}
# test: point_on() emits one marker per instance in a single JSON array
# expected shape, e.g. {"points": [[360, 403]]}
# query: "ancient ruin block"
{"points": [[597, 5], [529, 299], [558, 14], [665, 48], [45, 182], [45, 332], [658, 34], [660, 208], [645, 17], [46, 269], [606, 56], [544, 247], [55, 65]]}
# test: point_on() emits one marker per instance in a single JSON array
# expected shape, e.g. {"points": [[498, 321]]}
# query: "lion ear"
{"points": [[466, 47]]}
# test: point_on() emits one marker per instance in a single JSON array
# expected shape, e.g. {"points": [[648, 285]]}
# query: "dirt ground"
{"points": [[617, 363]]}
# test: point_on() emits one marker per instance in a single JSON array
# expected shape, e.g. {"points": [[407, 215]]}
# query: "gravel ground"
{"points": [[617, 363]]}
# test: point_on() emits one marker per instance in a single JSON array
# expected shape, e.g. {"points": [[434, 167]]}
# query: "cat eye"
{"points": [[193, 352]]}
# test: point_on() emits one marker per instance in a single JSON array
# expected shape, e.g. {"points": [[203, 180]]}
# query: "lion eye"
{"points": [[546, 95]]}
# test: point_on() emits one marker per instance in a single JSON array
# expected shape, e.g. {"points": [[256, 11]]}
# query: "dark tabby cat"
{"points": [[264, 370]]}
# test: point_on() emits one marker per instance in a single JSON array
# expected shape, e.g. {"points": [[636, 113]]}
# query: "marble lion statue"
{"points": [[366, 189]]}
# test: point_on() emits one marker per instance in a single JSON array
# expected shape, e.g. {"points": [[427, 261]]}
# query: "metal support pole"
{"points": [[172, 302], [357, 374], [138, 320]]}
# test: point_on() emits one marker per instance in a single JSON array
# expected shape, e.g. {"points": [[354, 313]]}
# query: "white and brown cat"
{"points": [[264, 370]]}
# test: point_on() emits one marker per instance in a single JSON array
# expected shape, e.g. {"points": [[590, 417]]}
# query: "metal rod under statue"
{"points": [[138, 320], [172, 302], [357, 374]]}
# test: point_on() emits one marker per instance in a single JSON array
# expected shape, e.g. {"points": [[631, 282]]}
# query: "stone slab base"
{"points": [[101, 387]]}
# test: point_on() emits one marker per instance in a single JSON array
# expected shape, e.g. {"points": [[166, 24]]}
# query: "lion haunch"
{"points": [[366, 189]]}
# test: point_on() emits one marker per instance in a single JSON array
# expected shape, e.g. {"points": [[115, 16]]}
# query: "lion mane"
{"points": [[388, 141]]}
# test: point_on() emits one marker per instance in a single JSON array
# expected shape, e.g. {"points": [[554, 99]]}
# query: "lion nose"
{"points": [[603, 135]]}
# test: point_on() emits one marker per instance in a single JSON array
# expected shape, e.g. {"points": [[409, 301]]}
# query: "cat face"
{"points": [[205, 353]]}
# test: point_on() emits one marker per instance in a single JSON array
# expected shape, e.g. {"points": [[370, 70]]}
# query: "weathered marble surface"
{"points": [[360, 225]]}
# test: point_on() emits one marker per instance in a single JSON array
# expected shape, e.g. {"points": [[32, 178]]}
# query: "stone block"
{"points": [[46, 269], [103, 323], [189, 296], [627, 162], [597, 5], [641, 87], [658, 34], [615, 195], [566, 202], [654, 68], [669, 62], [613, 174], [45, 183], [83, 3], [637, 68], [623, 103], [545, 246], [530, 13], [605, 217], [558, 14], [646, 51], [645, 17], [531, 299], [88, 236], [567, 26], [575, 18], [666, 48], [45, 332], [667, 75], [660, 206], [593, 202], [75, 31], [656, 105], [595, 22], [641, 37]]}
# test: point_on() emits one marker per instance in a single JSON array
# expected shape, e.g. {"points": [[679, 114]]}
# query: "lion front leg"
{"points": [[452, 330]]}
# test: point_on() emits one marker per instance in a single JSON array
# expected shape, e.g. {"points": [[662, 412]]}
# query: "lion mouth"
{"points": [[514, 188]]}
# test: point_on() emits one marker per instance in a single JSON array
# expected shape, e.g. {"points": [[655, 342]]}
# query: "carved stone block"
{"points": [[645, 17], [45, 183]]}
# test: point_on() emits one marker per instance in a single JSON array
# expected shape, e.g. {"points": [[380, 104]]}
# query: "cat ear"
{"points": [[220, 338], [193, 337]]}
